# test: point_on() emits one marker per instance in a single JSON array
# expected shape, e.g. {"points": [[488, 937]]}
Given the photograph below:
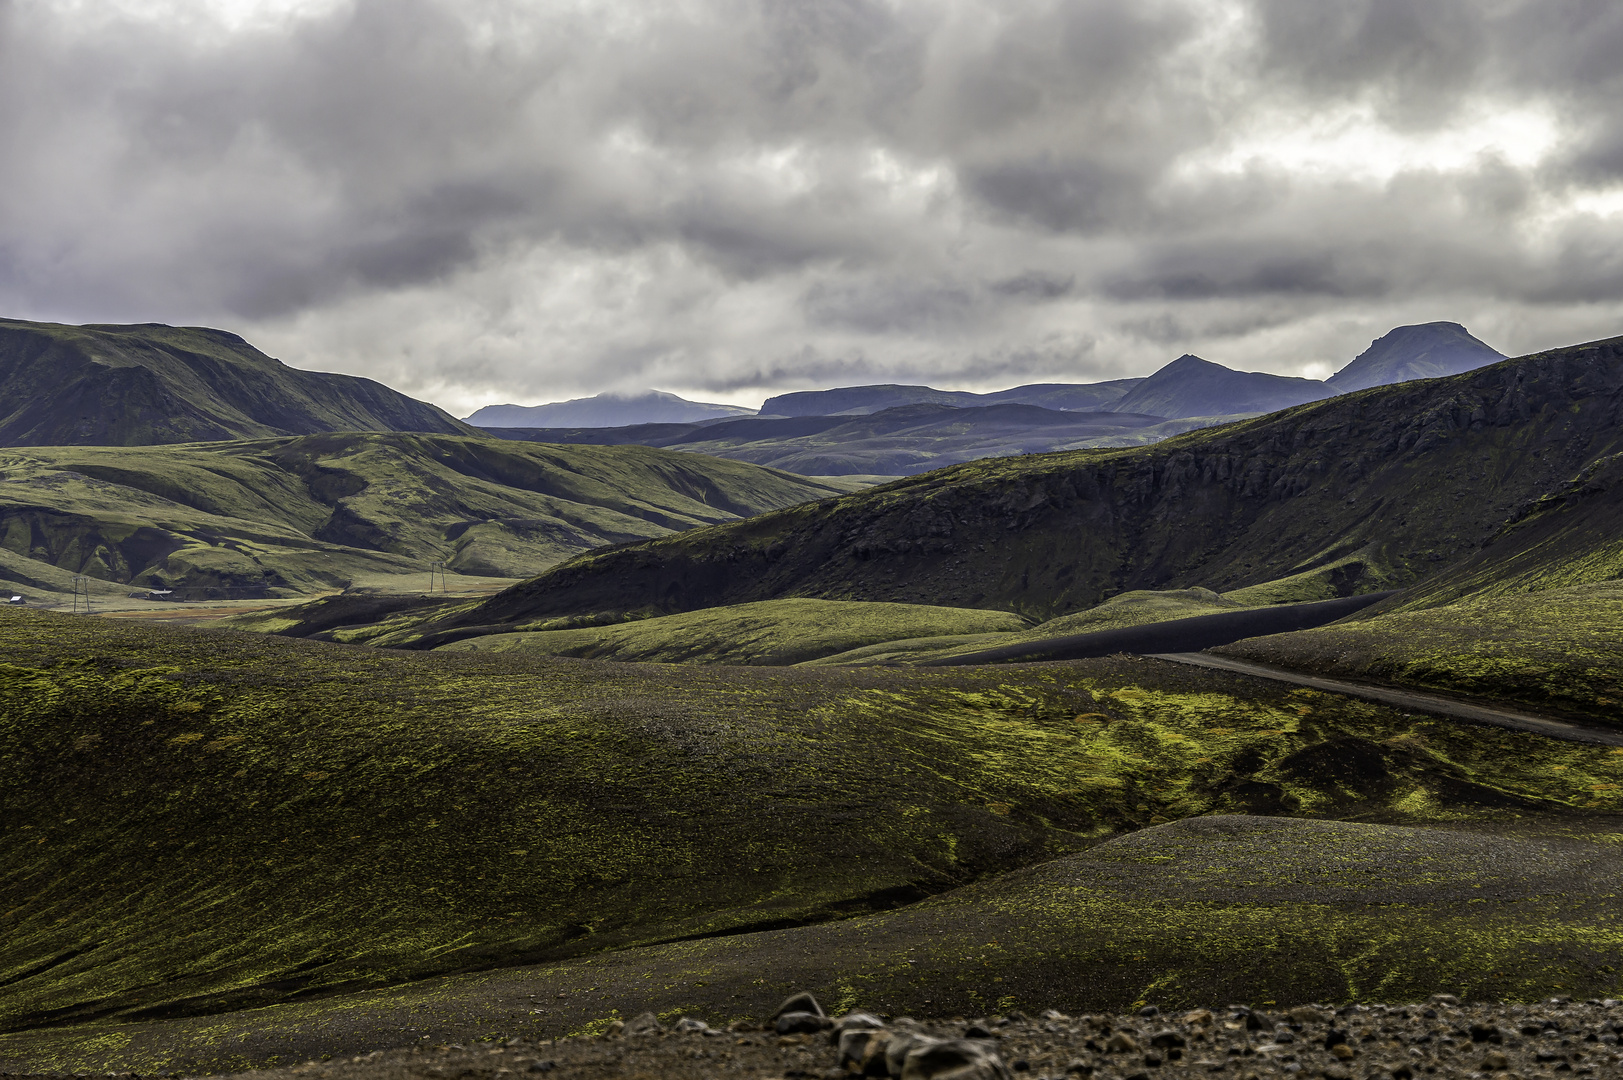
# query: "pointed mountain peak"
{"points": [[1187, 364]]}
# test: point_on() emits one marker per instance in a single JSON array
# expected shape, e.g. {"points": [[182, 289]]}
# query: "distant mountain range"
{"points": [[606, 410], [150, 384], [856, 400], [895, 430], [1187, 387], [135, 385], [1190, 386], [1384, 487], [899, 441]]}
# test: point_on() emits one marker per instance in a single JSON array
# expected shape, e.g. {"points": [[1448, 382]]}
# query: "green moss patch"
{"points": [[1207, 910], [769, 632], [202, 820], [1559, 650]]}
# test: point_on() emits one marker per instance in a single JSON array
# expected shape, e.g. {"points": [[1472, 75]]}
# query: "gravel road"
{"points": [[1435, 704]]}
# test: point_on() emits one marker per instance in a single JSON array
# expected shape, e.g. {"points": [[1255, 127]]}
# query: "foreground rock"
{"points": [[1441, 1038]]}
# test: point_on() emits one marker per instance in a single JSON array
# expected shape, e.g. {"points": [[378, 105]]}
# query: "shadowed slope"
{"points": [[134, 385], [1411, 477]]}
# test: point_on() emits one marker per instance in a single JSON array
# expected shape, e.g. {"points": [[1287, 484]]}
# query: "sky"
{"points": [[484, 201]]}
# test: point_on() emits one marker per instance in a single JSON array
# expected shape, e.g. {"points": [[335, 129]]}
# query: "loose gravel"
{"points": [[1441, 1039]]}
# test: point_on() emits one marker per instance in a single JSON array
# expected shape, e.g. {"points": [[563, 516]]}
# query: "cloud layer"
{"points": [[512, 200]]}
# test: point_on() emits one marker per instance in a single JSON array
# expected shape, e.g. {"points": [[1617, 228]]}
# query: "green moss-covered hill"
{"points": [[133, 385], [1275, 912], [1535, 617], [200, 820], [1409, 477], [316, 512]]}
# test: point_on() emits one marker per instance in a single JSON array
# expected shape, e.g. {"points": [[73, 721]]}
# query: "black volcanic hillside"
{"points": [[1406, 478], [1190, 386], [1424, 351], [139, 385]]}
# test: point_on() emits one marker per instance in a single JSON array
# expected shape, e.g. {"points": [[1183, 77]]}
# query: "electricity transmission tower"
{"points": [[437, 567], [81, 589]]}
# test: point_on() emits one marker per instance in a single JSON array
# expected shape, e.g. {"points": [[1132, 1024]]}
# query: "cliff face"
{"points": [[1409, 477], [140, 385]]}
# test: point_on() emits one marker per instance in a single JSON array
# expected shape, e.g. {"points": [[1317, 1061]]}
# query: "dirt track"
{"points": [[1435, 704]]}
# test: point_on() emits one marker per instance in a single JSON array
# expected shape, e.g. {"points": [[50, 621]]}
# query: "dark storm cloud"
{"points": [[493, 198]]}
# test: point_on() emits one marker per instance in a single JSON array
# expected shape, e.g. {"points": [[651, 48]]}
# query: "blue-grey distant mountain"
{"points": [[1190, 386], [891, 442], [141, 385], [861, 400], [1423, 351], [605, 410]]}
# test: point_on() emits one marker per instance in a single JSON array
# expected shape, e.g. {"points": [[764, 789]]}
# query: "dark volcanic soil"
{"points": [[1439, 1039]]}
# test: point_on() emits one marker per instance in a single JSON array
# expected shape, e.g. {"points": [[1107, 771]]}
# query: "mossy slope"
{"points": [[199, 820], [136, 385], [1557, 650], [1214, 909], [1413, 476], [317, 511], [771, 632], [1535, 617]]}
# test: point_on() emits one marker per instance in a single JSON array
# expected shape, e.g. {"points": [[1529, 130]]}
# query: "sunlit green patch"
{"points": [[776, 632], [1560, 648]]}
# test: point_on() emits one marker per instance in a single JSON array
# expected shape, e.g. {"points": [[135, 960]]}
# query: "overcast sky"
{"points": [[482, 201]]}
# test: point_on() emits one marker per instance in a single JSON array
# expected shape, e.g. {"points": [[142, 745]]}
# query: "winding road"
{"points": [[1409, 699]]}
